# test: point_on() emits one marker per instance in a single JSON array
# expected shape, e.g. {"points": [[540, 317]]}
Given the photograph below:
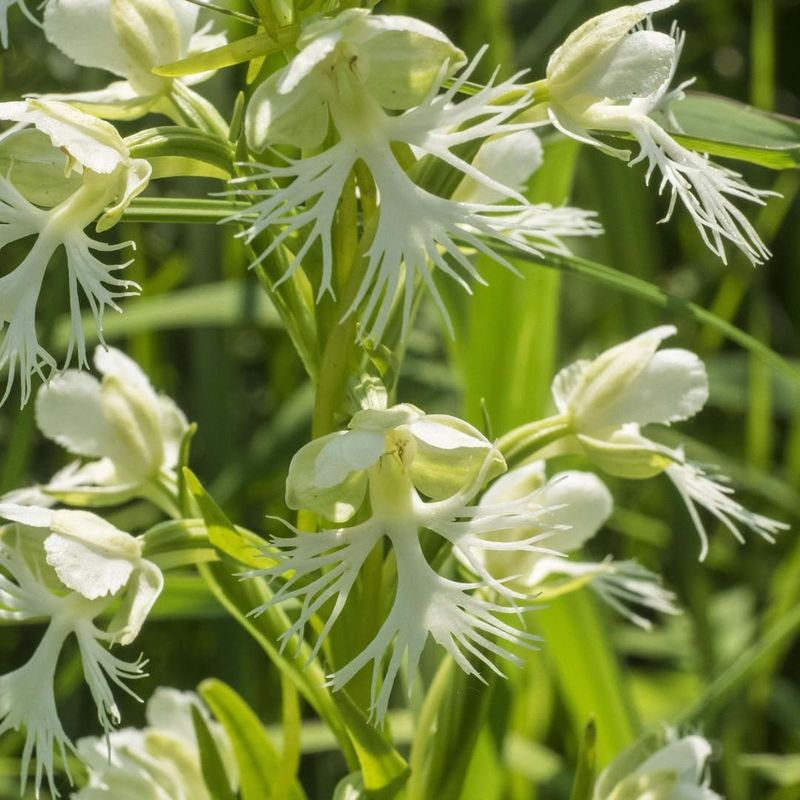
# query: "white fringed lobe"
{"points": [[613, 75], [458, 616]]}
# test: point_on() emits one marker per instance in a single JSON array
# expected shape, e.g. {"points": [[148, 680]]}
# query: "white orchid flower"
{"points": [[511, 160], [67, 567], [611, 75], [129, 38], [159, 762], [607, 400], [73, 169], [395, 455], [658, 767], [133, 434], [351, 76], [5, 6], [580, 503]]}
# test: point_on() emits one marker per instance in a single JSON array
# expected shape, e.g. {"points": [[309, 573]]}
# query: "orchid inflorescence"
{"points": [[337, 179]]}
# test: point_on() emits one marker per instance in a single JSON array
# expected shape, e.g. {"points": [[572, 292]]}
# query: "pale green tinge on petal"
{"points": [[91, 142], [298, 117], [117, 101], [628, 454], [126, 37], [449, 455], [404, 59], [577, 58], [385, 419], [136, 178], [90, 556], [36, 168], [141, 594], [148, 32], [342, 455], [338, 502]]}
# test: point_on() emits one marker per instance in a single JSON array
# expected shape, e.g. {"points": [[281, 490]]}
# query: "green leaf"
{"points": [[260, 44], [239, 597], [723, 127], [224, 304], [227, 539], [174, 150], [383, 769], [587, 765], [729, 684], [649, 292], [255, 753], [214, 775]]}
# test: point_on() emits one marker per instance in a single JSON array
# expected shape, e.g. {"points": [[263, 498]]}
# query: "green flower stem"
{"points": [[424, 729], [341, 357], [526, 440], [341, 351]]}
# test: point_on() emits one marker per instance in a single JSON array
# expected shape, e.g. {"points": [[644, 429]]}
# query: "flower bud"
{"points": [[658, 767]]}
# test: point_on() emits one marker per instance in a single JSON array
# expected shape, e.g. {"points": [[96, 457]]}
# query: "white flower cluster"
{"points": [[64, 168], [396, 456], [67, 567], [612, 75], [72, 569], [378, 83]]}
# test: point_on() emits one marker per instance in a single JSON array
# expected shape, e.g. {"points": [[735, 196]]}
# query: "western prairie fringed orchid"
{"points": [[68, 567], [65, 169]]}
